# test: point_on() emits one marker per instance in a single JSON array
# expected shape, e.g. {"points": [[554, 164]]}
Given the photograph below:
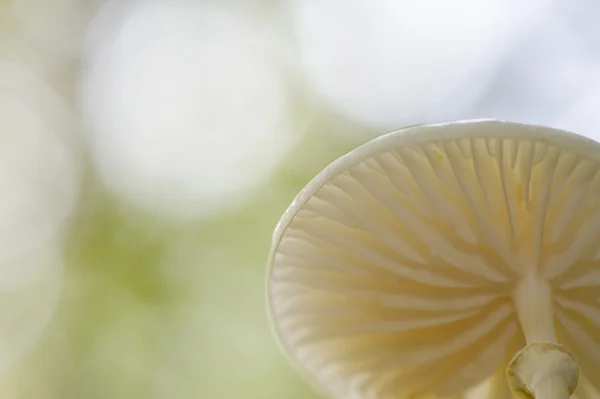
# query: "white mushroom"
{"points": [[432, 259]]}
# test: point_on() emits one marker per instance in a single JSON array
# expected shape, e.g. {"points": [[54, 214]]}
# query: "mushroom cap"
{"points": [[391, 273]]}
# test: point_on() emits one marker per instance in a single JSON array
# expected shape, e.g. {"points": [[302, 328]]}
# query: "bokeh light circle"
{"points": [[185, 106]]}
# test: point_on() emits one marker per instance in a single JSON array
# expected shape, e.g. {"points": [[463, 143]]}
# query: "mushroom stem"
{"points": [[544, 369], [552, 389], [533, 302]]}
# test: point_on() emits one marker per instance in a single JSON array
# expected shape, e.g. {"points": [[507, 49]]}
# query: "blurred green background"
{"points": [[148, 148]]}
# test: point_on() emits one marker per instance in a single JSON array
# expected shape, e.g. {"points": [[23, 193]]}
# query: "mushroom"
{"points": [[437, 258]]}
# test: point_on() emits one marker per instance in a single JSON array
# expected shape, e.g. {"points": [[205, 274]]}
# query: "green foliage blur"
{"points": [[152, 310]]}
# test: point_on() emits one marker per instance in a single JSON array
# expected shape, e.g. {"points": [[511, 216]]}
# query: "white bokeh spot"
{"points": [[40, 181], [390, 63], [186, 107]]}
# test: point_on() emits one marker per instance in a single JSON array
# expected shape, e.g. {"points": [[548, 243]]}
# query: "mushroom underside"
{"points": [[396, 278]]}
